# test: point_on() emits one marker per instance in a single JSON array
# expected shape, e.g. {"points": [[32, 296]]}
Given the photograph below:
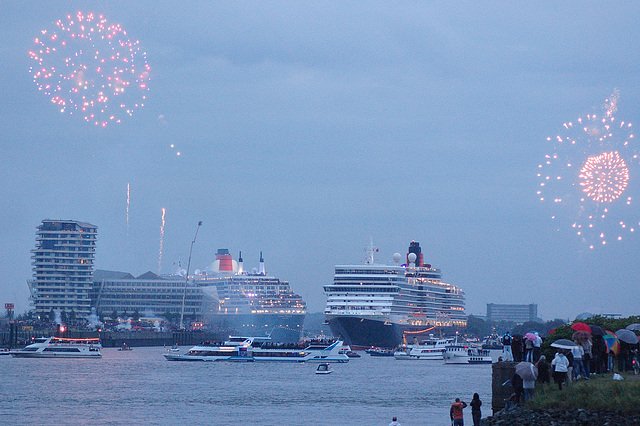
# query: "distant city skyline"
{"points": [[305, 130]]}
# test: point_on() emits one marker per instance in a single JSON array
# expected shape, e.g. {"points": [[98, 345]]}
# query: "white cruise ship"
{"points": [[375, 305], [250, 303]]}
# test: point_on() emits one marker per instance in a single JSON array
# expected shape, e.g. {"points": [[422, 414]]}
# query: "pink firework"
{"points": [[90, 67], [589, 177], [604, 177]]}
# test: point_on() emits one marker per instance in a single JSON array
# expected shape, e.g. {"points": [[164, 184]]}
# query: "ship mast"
{"points": [[186, 282], [368, 260]]}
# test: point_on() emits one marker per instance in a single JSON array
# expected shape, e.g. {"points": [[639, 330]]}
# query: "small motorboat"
{"points": [[124, 347], [324, 368], [174, 349]]}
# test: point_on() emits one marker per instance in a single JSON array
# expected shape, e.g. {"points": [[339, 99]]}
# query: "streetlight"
{"points": [[186, 281]]}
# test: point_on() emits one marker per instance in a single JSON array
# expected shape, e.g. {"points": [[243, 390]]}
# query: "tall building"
{"points": [[63, 267], [513, 313]]}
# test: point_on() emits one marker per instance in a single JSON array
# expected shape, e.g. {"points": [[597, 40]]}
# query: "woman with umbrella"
{"points": [[529, 373], [560, 365]]}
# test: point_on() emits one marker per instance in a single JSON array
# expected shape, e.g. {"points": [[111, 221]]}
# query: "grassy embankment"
{"points": [[600, 393]]}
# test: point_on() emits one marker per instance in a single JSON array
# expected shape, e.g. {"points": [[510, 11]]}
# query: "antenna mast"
{"points": [[369, 253]]}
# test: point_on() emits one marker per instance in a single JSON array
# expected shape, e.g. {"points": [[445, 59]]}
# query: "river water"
{"points": [[141, 387]]}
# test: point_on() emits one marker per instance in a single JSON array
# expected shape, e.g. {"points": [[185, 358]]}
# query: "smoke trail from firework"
{"points": [[128, 200], [161, 241]]}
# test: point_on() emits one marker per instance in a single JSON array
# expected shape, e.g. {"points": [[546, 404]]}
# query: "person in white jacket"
{"points": [[560, 365]]}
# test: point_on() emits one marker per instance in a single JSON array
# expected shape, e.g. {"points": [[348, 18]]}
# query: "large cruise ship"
{"points": [[250, 303], [379, 305]]}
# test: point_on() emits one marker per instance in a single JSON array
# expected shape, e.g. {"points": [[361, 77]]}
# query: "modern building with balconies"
{"points": [[63, 267]]}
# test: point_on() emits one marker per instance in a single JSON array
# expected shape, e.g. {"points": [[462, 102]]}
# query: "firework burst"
{"points": [[588, 177], [88, 66]]}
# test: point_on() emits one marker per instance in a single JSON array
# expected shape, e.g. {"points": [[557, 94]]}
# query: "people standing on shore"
{"points": [[528, 347], [518, 390], [560, 365], [543, 370], [516, 348], [578, 366], [476, 413], [529, 385], [588, 355], [506, 347], [536, 347], [599, 352], [457, 417], [569, 356]]}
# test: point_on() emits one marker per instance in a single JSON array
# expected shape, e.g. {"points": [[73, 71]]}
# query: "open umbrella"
{"points": [[627, 336], [526, 370], [580, 326], [563, 344], [613, 345], [531, 336], [633, 327], [581, 336], [596, 330]]}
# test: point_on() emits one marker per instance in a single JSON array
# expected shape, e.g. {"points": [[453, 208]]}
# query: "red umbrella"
{"points": [[580, 326]]}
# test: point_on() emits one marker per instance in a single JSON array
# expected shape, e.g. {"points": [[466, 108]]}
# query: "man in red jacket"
{"points": [[456, 412]]}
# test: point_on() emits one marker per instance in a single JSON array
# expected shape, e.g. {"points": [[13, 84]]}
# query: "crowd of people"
{"points": [[587, 355]]}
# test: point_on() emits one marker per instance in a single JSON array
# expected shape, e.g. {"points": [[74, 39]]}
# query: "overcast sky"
{"points": [[307, 128]]}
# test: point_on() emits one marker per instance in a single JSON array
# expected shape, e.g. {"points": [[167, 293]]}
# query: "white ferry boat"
{"points": [[428, 350], [461, 353], [375, 304], [249, 349], [61, 347]]}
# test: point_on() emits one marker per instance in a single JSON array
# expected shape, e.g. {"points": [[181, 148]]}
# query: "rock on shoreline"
{"points": [[534, 417]]}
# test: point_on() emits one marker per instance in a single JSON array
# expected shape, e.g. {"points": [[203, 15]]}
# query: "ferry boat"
{"points": [[461, 353], [376, 304], [492, 342], [249, 349], [429, 350], [379, 352], [250, 303], [61, 347]]}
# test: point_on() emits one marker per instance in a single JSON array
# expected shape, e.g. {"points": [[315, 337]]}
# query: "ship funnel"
{"points": [[261, 270], [240, 264], [414, 248], [226, 262]]}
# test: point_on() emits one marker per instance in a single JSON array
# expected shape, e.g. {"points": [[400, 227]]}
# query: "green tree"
{"points": [[476, 326]]}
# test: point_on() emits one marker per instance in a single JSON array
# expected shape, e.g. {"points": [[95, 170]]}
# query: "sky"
{"points": [[307, 129]]}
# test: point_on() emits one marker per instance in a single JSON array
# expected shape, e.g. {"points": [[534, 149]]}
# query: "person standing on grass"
{"points": [[560, 365]]}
